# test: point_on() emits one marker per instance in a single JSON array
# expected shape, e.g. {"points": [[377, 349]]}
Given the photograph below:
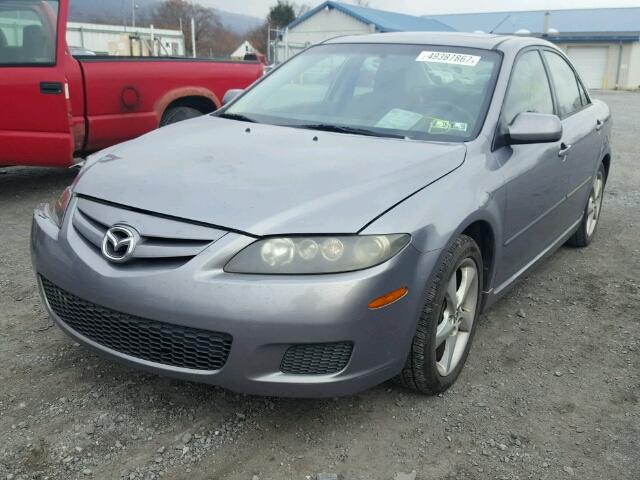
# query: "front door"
{"points": [[34, 106], [536, 175]]}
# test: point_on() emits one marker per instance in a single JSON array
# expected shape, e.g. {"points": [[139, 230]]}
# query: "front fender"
{"points": [[438, 214]]}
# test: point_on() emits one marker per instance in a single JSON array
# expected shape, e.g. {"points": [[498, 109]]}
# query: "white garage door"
{"points": [[591, 63]]}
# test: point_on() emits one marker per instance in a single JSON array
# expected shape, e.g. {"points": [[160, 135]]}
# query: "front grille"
{"points": [[316, 359], [149, 340]]}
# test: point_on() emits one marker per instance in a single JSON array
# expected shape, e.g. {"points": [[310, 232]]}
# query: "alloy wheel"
{"points": [[458, 314], [595, 203]]}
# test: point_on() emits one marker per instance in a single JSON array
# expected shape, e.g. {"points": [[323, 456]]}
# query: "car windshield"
{"points": [[410, 91]]}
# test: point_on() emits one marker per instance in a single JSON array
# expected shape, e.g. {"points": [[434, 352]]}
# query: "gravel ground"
{"points": [[550, 389]]}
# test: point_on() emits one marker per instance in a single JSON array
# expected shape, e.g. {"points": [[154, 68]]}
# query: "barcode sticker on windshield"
{"points": [[449, 57]]}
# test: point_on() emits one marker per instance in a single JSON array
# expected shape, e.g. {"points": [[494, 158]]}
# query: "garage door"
{"points": [[591, 63]]}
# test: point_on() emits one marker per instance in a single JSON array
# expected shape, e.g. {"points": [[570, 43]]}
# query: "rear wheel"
{"points": [[589, 223], [178, 114], [447, 323]]}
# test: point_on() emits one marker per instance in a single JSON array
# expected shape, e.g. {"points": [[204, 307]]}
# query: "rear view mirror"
{"points": [[231, 95], [530, 127]]}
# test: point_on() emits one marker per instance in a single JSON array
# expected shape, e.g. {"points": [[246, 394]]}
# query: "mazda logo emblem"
{"points": [[119, 243]]}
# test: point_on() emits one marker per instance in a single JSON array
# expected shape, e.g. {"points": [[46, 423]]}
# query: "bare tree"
{"points": [[211, 36]]}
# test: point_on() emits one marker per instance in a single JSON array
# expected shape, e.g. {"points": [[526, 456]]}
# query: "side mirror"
{"points": [[231, 95], [530, 127]]}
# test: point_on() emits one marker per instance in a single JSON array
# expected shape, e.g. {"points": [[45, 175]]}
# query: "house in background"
{"points": [[244, 49], [602, 43], [333, 19]]}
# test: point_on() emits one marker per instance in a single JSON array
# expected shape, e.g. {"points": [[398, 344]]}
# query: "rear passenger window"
{"points": [[529, 90], [565, 83]]}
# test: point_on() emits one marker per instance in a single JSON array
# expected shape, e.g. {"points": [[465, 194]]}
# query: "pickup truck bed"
{"points": [[55, 107]]}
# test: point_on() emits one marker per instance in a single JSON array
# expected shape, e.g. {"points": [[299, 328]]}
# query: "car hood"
{"points": [[265, 179]]}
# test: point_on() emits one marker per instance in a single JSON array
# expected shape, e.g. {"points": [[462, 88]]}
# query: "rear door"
{"points": [[581, 139], [34, 111]]}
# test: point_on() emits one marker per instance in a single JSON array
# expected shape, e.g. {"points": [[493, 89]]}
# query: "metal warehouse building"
{"points": [[603, 43], [119, 40], [332, 19]]}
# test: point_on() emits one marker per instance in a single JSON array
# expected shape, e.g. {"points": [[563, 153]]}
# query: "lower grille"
{"points": [[316, 359], [138, 337]]}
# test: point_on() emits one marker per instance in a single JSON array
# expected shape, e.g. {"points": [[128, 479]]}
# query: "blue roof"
{"points": [[383, 20], [598, 21]]}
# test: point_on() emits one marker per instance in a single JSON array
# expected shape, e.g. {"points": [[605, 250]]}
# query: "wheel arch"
{"points": [[606, 161], [484, 235], [195, 97]]}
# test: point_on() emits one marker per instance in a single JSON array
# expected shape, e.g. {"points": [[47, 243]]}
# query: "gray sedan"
{"points": [[341, 223]]}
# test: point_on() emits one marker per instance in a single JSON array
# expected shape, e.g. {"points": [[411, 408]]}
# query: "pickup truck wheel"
{"points": [[447, 322], [178, 114], [589, 223]]}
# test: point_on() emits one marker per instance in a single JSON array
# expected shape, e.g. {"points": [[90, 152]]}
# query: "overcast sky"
{"points": [[259, 8]]}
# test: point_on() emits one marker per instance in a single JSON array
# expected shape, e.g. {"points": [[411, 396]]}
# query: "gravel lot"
{"points": [[550, 389]]}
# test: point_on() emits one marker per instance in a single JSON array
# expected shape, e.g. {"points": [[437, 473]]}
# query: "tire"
{"points": [[589, 224], [178, 114], [424, 370]]}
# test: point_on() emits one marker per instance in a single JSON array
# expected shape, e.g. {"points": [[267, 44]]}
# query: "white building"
{"points": [[127, 41], [602, 43], [332, 19], [244, 49]]}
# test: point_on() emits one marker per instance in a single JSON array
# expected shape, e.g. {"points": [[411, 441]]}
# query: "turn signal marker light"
{"points": [[388, 298]]}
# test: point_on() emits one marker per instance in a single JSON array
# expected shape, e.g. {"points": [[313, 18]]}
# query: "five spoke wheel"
{"points": [[595, 203], [458, 313]]}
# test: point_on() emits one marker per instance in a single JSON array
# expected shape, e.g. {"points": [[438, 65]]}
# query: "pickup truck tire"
{"points": [[178, 114]]}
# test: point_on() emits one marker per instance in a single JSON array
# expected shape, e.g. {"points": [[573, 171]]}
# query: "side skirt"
{"points": [[493, 295]]}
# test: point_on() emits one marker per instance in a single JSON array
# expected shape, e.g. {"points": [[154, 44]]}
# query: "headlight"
{"points": [[58, 207], [321, 254]]}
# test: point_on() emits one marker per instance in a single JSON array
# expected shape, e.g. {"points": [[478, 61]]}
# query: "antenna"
{"points": [[500, 23]]}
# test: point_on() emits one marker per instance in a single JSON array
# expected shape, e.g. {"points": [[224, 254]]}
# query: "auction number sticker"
{"points": [[449, 57]]}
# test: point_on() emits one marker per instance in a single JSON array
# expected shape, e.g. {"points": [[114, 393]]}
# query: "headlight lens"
{"points": [[313, 255], [58, 207]]}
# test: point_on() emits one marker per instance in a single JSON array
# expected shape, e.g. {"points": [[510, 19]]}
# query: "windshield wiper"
{"points": [[236, 116], [325, 127]]}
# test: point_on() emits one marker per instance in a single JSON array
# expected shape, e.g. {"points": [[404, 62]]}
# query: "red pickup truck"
{"points": [[54, 107]]}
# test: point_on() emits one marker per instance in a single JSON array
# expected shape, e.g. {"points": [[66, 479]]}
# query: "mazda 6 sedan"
{"points": [[341, 223]]}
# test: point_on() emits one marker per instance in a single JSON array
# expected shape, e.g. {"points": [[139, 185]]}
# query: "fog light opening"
{"points": [[388, 298]]}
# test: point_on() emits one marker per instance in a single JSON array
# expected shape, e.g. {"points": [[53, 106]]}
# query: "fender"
{"points": [[163, 102]]}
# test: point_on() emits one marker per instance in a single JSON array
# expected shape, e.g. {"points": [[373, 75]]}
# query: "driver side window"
{"points": [[529, 90]]}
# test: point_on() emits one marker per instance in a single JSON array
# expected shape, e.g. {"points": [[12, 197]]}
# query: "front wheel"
{"points": [[447, 322], [587, 228]]}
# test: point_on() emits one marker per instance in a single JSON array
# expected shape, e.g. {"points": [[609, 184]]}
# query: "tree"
{"points": [[212, 38], [281, 14]]}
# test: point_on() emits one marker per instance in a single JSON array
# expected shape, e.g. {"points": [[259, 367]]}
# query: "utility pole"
{"points": [[193, 36], [133, 13], [193, 30]]}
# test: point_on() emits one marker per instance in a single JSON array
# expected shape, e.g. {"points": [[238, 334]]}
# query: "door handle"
{"points": [[51, 88], [564, 150], [599, 124]]}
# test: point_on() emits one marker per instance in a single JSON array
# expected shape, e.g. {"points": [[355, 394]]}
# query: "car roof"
{"points": [[486, 41]]}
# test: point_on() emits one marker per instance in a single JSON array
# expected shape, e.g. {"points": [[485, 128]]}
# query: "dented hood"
{"points": [[264, 179]]}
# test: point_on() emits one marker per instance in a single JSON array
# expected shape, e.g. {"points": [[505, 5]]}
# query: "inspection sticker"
{"points": [[449, 57]]}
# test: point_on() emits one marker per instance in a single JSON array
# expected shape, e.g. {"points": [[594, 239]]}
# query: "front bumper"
{"points": [[264, 315]]}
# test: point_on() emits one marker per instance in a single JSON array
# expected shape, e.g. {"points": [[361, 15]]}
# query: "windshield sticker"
{"points": [[398, 119], [449, 57], [439, 125]]}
